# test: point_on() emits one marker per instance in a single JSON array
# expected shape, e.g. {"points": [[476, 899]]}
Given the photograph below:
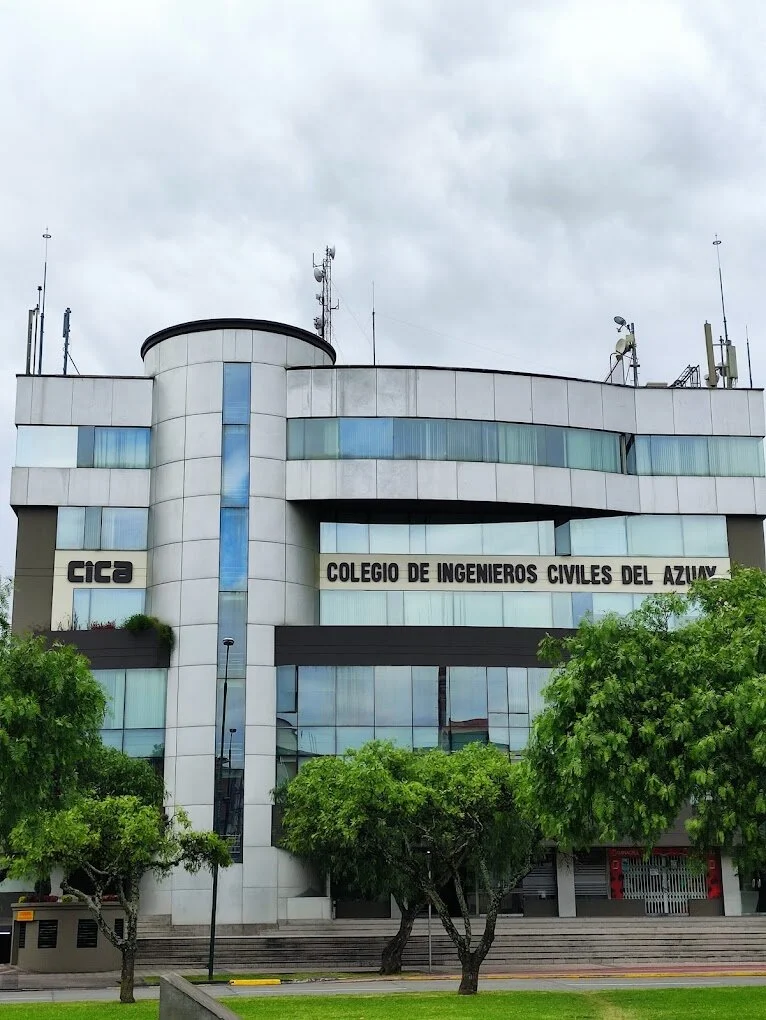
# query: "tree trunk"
{"points": [[391, 960], [128, 974], [469, 979]]}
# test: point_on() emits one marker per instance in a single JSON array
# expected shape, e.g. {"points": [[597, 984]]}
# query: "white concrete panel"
{"points": [[200, 559], [437, 479], [203, 436], [170, 395], [760, 495], [297, 479], [204, 346], [201, 517], [732, 893], [397, 479], [268, 389], [513, 398], [132, 402], [19, 485], [129, 486], [323, 396], [202, 476], [170, 741], [165, 564], [268, 348], [52, 401], [755, 405], [268, 436], [324, 479], [396, 392], [166, 522], [196, 740], [265, 601], [267, 561], [658, 495], [24, 385], [301, 528], [92, 402], [691, 411], [172, 352], [229, 905], [168, 481], [260, 648], [654, 412], [88, 487], [260, 861], [197, 646], [261, 699], [171, 703], [301, 605], [299, 353], [48, 486], [300, 565], [261, 740], [549, 401], [257, 825], [199, 601], [231, 351], [696, 496], [168, 441], [476, 482], [515, 483], [731, 412], [152, 362], [553, 486], [259, 906], [435, 393], [565, 884], [164, 601], [585, 409], [259, 778], [618, 405], [267, 519], [267, 476], [622, 493], [356, 479], [734, 495], [588, 489], [299, 393], [204, 388], [474, 395], [196, 698], [356, 392]]}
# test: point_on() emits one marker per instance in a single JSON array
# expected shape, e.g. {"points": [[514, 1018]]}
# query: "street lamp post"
{"points": [[228, 642], [428, 859]]}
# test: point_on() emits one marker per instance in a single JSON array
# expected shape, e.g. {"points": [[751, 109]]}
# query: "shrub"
{"points": [[140, 622]]}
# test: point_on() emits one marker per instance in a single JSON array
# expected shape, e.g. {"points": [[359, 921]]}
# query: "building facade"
{"points": [[385, 548]]}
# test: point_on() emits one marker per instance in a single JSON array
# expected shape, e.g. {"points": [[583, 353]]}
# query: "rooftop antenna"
{"points": [[323, 275], [373, 322], [749, 366], [33, 318], [65, 334], [625, 345], [717, 244], [46, 238]]}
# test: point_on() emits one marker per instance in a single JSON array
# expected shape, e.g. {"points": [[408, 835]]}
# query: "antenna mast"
{"points": [[65, 334], [46, 238], [323, 275], [373, 322], [717, 244]]}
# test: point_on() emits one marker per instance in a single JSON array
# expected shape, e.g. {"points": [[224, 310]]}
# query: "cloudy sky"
{"points": [[511, 174]]}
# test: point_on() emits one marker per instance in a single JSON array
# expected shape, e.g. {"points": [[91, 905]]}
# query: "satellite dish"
{"points": [[331, 251], [619, 320], [318, 274], [621, 346]]}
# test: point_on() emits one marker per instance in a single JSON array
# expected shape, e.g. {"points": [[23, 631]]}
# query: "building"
{"points": [[385, 547]]}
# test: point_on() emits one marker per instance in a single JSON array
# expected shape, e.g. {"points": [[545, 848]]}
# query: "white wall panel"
{"points": [[297, 480], [88, 487], [300, 565], [202, 476], [132, 402], [200, 559], [654, 411], [170, 395], [259, 905], [199, 601], [299, 393], [437, 479], [549, 401], [268, 389], [513, 398], [165, 564], [356, 479], [476, 482], [166, 522], [474, 395], [152, 361], [622, 493], [92, 402], [265, 601], [52, 400], [588, 489], [267, 477], [324, 479], [515, 483], [696, 496], [168, 442], [48, 486], [196, 740], [760, 495], [731, 412], [204, 388], [269, 347], [173, 353], [257, 825], [323, 395], [397, 479], [204, 347], [261, 739], [691, 411], [619, 408], [168, 481], [201, 517], [301, 605], [203, 436], [267, 560], [553, 486], [735, 495], [261, 703], [755, 405], [19, 486], [301, 527], [237, 345], [435, 393], [268, 436], [197, 646], [658, 495], [396, 392], [195, 779], [196, 696], [267, 519], [356, 392], [585, 409], [164, 601], [24, 386], [129, 486], [259, 778], [260, 649]]}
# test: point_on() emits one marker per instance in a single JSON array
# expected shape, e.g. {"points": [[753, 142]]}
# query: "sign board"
{"points": [[402, 572], [93, 568], [25, 915]]}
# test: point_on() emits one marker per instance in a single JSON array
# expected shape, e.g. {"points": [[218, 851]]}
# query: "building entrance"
{"points": [[667, 881]]}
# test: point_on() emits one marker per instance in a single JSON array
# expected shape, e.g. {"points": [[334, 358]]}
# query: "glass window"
{"points": [[420, 439], [321, 438], [517, 738], [234, 726], [296, 438], [46, 446], [352, 609], [236, 393], [527, 609], [592, 450], [393, 696], [145, 691], [425, 737], [120, 448], [425, 695], [655, 535], [113, 684], [112, 738], [395, 608], [599, 536], [327, 540], [70, 527], [399, 735], [366, 437], [555, 445], [316, 695], [562, 610], [124, 527], [520, 444], [497, 690], [232, 623], [316, 740], [518, 697], [472, 441], [352, 737], [428, 609], [736, 456], [705, 536], [96, 606], [620, 604], [453, 538], [144, 743], [537, 679], [235, 465], [287, 689], [498, 735], [467, 693], [518, 539], [639, 455], [477, 609], [353, 538], [354, 696], [233, 553], [389, 538], [582, 605], [93, 527]]}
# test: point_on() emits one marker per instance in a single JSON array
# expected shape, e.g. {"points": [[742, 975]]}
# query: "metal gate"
{"points": [[665, 882]]}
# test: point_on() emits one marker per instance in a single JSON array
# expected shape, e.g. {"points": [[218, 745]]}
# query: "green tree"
{"points": [[650, 714], [396, 808], [114, 841]]}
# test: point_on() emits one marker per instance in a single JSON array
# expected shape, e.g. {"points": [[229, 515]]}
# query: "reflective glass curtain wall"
{"points": [[232, 603]]}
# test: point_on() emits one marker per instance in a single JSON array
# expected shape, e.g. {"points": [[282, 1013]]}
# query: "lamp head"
{"points": [[228, 641]]}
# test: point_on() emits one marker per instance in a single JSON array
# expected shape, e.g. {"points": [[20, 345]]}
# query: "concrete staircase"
{"points": [[520, 944]]}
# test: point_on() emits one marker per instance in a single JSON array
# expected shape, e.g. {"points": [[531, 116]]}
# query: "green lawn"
{"points": [[662, 1004]]}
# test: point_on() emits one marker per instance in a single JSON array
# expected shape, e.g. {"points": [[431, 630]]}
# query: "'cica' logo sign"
{"points": [[102, 571]]}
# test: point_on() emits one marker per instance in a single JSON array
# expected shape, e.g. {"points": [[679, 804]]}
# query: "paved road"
{"points": [[389, 987]]}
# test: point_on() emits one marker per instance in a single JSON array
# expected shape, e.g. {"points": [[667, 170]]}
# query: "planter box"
{"points": [[115, 649], [63, 957]]}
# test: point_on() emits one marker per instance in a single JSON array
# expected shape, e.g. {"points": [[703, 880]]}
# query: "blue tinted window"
{"points": [[316, 695], [235, 465], [354, 696], [232, 623], [70, 527], [321, 439], [233, 568], [110, 607], [124, 527], [420, 439], [366, 437], [236, 394], [287, 689], [119, 448], [144, 743]]}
